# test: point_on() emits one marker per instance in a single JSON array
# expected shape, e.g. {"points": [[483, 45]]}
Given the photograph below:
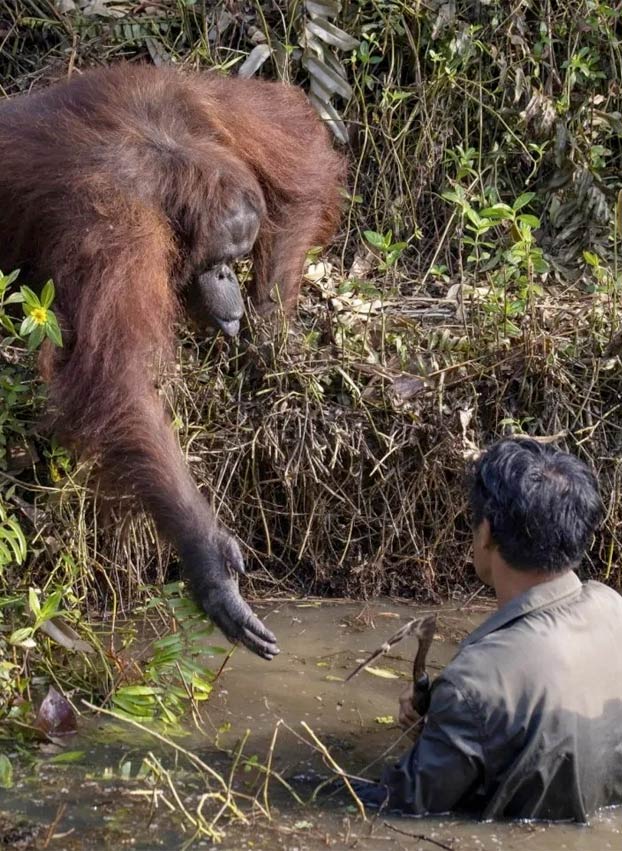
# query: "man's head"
{"points": [[533, 506]]}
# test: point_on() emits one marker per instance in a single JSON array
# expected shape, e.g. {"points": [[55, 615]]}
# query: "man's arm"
{"points": [[447, 763]]}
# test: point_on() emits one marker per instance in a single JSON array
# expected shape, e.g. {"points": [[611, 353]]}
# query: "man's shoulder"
{"points": [[542, 647], [595, 589]]}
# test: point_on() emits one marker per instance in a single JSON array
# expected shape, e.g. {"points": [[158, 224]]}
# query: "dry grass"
{"points": [[336, 451], [345, 477]]}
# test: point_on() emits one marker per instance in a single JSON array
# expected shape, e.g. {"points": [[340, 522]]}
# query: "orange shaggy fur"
{"points": [[111, 184]]}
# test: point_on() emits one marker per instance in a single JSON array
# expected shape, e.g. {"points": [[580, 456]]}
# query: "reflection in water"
{"points": [[320, 645]]}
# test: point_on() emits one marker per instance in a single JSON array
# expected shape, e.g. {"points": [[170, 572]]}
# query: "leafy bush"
{"points": [[44, 629]]}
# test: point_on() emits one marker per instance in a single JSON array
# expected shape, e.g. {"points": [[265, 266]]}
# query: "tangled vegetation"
{"points": [[472, 292]]}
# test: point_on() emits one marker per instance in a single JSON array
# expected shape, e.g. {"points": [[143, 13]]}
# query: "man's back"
{"points": [[532, 707]]}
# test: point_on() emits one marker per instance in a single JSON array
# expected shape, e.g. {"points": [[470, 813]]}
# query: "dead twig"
{"points": [[420, 836]]}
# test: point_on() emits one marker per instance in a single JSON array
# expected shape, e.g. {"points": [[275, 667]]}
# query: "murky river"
{"points": [[281, 715]]}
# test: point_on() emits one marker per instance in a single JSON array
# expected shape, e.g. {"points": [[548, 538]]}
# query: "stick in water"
{"points": [[424, 629]]}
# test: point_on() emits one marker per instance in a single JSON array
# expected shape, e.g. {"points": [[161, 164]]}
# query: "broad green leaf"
{"points": [[497, 211], [33, 602], [16, 538], [35, 338], [6, 772], [22, 637], [47, 294], [375, 239], [523, 200], [12, 276], [28, 326], [65, 757], [528, 219], [5, 553], [14, 298], [52, 330], [12, 550], [130, 708], [540, 265], [139, 691], [51, 606], [473, 217], [30, 297], [8, 324]]}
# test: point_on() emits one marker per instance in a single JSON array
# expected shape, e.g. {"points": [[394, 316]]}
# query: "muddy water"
{"points": [[98, 802]]}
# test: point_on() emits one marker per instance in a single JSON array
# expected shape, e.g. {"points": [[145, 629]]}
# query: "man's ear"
{"points": [[486, 535]]}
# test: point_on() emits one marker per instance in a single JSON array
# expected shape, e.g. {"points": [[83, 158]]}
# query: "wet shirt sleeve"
{"points": [[446, 765]]}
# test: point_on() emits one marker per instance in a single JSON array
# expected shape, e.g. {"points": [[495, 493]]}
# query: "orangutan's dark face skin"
{"points": [[214, 298]]}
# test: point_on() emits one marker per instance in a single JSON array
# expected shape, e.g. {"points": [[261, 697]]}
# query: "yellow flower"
{"points": [[40, 315]]}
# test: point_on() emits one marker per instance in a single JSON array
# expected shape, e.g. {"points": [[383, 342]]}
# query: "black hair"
{"points": [[542, 504]]}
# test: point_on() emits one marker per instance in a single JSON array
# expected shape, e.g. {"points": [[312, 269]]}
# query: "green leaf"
{"points": [[47, 294], [30, 297], [7, 323], [523, 200], [528, 219], [12, 533], [14, 298], [22, 637], [5, 553], [52, 330], [375, 239], [456, 196], [6, 772], [592, 259], [132, 709], [540, 265], [50, 607], [473, 217], [28, 326], [9, 279], [139, 691], [65, 757], [214, 650], [35, 338], [499, 212], [33, 602]]}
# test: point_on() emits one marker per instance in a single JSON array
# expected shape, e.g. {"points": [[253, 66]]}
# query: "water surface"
{"points": [[99, 802]]}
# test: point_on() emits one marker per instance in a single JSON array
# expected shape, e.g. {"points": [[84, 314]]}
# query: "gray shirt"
{"points": [[526, 721]]}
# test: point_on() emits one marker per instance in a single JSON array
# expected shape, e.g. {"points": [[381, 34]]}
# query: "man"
{"points": [[526, 721]]}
